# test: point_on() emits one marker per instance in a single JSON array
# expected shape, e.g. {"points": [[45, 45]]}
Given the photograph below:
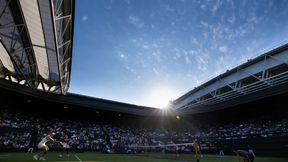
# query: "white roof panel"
{"points": [[32, 17], [5, 59]]}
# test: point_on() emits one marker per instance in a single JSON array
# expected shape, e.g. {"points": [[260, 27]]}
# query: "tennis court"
{"points": [[97, 157]]}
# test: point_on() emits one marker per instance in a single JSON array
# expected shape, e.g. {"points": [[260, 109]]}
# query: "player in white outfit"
{"points": [[42, 145]]}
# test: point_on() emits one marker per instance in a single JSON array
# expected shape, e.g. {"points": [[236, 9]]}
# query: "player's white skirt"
{"points": [[41, 145]]}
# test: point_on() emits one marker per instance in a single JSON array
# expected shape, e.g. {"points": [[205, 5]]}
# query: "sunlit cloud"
{"points": [[130, 69], [201, 59], [253, 19], [203, 7], [122, 56], [220, 68], [216, 6], [155, 45], [134, 20], [195, 41], [155, 71], [168, 8], [176, 54], [145, 46], [201, 63], [187, 58], [157, 56], [223, 49], [232, 19], [204, 24]]}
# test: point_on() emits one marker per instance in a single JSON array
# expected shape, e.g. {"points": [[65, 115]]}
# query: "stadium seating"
{"points": [[16, 133]]}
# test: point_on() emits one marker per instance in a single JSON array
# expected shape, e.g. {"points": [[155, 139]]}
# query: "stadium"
{"points": [[238, 115]]}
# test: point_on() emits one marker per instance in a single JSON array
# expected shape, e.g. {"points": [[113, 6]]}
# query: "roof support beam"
{"points": [[4, 9], [63, 17]]}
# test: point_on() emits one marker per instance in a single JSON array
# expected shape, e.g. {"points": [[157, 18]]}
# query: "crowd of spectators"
{"points": [[15, 132]]}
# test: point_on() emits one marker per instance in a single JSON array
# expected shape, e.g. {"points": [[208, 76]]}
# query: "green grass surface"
{"points": [[97, 157]]}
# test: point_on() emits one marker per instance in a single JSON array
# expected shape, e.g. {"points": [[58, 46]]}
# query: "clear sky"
{"points": [[147, 52]]}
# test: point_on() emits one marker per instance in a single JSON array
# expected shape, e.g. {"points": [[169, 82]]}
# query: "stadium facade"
{"points": [[261, 77]]}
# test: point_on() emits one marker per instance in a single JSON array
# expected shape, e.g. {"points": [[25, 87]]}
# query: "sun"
{"points": [[160, 97]]}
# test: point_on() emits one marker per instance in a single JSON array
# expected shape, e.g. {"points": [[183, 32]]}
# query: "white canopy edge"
{"points": [[5, 59], [32, 17]]}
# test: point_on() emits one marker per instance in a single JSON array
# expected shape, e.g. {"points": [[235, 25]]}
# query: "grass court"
{"points": [[98, 157]]}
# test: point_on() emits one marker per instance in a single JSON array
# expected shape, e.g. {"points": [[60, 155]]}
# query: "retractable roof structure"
{"points": [[36, 39]]}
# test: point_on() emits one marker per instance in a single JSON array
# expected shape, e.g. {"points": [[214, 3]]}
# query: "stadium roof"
{"points": [[8, 91], [36, 43], [261, 77], [36, 38]]}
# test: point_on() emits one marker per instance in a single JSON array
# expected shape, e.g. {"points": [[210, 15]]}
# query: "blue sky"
{"points": [[147, 52]]}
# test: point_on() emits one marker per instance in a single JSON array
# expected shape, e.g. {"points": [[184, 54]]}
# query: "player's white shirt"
{"points": [[44, 141]]}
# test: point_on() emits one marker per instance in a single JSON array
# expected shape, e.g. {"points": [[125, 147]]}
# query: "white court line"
{"points": [[4, 155], [77, 158], [77, 161]]}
